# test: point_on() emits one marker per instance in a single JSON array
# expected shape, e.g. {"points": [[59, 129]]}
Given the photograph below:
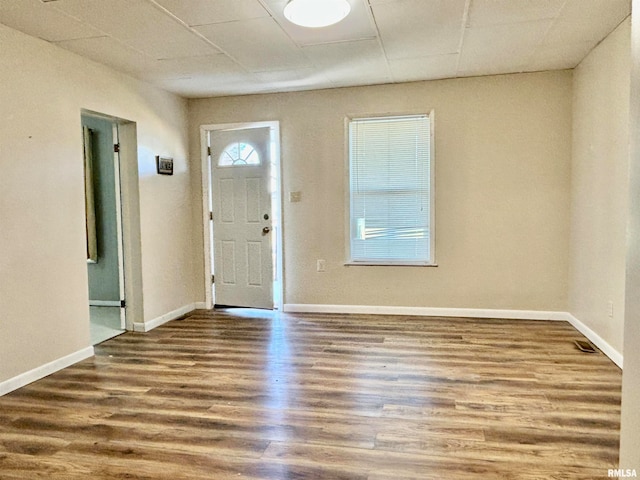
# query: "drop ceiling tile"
{"points": [[150, 39], [612, 10], [352, 79], [43, 21], [495, 68], [287, 75], [111, 16], [348, 62], [417, 28], [202, 86], [216, 65], [201, 76], [204, 12], [562, 33], [344, 52], [423, 12], [356, 26], [500, 12], [289, 80], [141, 25], [171, 42], [258, 44], [487, 50], [362, 73], [587, 21], [110, 52], [554, 58], [424, 68]]}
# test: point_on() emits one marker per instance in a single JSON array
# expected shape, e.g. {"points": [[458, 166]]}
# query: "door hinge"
{"points": [[211, 216], [116, 147], [213, 279], [209, 151]]}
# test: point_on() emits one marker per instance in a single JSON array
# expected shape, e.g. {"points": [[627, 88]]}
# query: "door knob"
{"points": [[266, 230]]}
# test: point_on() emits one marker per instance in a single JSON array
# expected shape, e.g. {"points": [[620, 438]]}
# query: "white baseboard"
{"points": [[64, 362], [597, 340], [426, 311], [607, 349], [167, 317], [201, 305], [44, 370]]}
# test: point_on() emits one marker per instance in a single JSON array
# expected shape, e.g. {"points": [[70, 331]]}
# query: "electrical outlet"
{"points": [[321, 266], [610, 309]]}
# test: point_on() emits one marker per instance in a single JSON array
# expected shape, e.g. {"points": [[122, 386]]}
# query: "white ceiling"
{"points": [[201, 48]]}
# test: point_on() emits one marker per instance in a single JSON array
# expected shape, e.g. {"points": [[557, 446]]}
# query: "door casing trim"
{"points": [[277, 207], [130, 214]]}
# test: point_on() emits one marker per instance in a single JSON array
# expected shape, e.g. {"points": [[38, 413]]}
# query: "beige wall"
{"points": [[630, 431], [502, 190], [599, 193], [43, 295]]}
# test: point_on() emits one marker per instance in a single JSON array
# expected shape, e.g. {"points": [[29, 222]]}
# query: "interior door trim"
{"points": [[279, 283]]}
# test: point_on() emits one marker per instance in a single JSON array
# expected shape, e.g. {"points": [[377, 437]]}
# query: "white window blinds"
{"points": [[390, 190]]}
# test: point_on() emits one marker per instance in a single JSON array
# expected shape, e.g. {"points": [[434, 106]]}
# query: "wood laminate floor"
{"points": [[250, 395]]}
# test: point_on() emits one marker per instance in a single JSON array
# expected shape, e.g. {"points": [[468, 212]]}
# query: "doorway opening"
{"points": [[242, 205], [110, 157]]}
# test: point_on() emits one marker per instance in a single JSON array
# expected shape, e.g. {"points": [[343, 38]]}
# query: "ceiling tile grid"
{"points": [[112, 53], [433, 67], [484, 13], [199, 48], [414, 28], [347, 62], [39, 20], [258, 44], [205, 12], [503, 48]]}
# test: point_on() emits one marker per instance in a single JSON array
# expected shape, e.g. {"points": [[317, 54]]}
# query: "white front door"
{"points": [[242, 217]]}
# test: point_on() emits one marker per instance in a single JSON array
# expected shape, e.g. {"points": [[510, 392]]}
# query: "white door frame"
{"points": [[128, 206], [119, 223], [276, 206]]}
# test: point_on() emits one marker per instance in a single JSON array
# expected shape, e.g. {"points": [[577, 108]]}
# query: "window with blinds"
{"points": [[391, 191]]}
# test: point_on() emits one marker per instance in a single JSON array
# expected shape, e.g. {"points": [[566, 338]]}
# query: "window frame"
{"points": [[431, 262]]}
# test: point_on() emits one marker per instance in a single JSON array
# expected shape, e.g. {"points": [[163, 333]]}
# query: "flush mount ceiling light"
{"points": [[316, 13]]}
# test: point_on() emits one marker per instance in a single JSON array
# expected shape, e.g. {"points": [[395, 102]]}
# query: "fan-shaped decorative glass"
{"points": [[239, 154]]}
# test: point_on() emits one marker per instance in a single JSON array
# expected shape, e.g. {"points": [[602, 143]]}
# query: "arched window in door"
{"points": [[239, 154]]}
